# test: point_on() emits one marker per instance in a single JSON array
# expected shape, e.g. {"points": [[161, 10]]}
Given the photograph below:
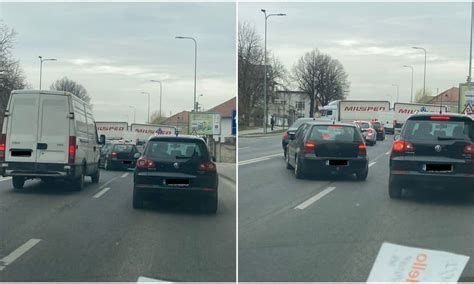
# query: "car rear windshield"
{"points": [[435, 130], [377, 125], [364, 125], [171, 150], [337, 133], [123, 148]]}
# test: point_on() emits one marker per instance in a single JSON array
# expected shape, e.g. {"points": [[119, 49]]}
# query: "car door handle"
{"points": [[42, 146]]}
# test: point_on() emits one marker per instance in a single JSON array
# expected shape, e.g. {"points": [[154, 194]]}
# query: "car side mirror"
{"points": [[396, 136], [102, 139]]}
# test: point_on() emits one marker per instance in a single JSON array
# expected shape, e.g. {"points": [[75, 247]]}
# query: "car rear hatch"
{"points": [[335, 141]]}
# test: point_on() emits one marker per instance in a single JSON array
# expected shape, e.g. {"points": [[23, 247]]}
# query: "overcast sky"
{"points": [[114, 49], [373, 41]]}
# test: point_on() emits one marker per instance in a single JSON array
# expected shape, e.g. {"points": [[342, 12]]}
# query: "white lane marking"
{"points": [[371, 164], [102, 192], [14, 255], [108, 182], [315, 198], [2, 267], [387, 153], [259, 159], [125, 175], [5, 178], [243, 148]]}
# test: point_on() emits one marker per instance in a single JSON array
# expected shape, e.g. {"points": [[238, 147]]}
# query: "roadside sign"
{"points": [[204, 123], [466, 98], [234, 122], [468, 109]]}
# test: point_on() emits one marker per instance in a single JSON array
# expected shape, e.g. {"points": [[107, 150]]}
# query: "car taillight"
{"points": [[143, 163], [401, 146], [381, 128], [208, 167], [72, 149], [309, 147], [362, 150], [370, 130], [469, 149], [3, 140], [285, 134], [114, 154]]}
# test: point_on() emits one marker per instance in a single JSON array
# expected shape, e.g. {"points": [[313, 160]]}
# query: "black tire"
{"points": [[137, 200], [78, 183], [18, 182], [210, 204], [394, 189], [288, 166], [96, 176], [362, 176], [298, 169]]}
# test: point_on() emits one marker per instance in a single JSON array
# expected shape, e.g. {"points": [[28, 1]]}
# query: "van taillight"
{"points": [[469, 149], [143, 163], [208, 167], [3, 147], [309, 147], [72, 149], [401, 146], [362, 150]]}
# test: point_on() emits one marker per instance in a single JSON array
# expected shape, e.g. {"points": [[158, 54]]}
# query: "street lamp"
{"points": [[41, 65], [148, 105], [411, 67], [134, 113], [195, 63], [158, 81], [470, 45], [265, 68], [424, 72], [396, 85]]}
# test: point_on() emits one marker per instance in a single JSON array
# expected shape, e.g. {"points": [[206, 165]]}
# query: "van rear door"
{"points": [[22, 128], [53, 133]]}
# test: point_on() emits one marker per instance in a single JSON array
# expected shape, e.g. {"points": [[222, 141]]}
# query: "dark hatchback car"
{"points": [[433, 151], [292, 129], [324, 148], [174, 166], [379, 129], [118, 156]]}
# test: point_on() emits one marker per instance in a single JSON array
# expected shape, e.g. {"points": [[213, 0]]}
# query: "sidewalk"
{"points": [[227, 171], [258, 132]]}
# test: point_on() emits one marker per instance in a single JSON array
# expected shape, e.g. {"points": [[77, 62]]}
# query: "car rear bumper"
{"points": [[38, 170], [319, 165], [432, 180], [126, 164], [176, 191]]}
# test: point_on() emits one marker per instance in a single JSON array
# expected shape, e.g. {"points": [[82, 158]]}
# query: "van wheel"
{"points": [[96, 176], [394, 189], [137, 200], [78, 183], [18, 182]]}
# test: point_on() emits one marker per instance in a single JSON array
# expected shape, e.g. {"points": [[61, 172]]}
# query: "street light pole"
{"points": [[197, 101], [396, 85], [195, 64], [470, 45], [411, 94], [265, 70], [134, 113], [424, 72], [148, 105], [157, 81], [41, 67]]}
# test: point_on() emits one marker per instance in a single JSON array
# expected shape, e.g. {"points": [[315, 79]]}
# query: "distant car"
{"points": [[388, 126], [326, 148], [178, 166], [114, 156], [379, 129], [433, 150], [368, 132], [292, 129]]}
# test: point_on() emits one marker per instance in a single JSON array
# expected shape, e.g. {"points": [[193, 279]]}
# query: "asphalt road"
{"points": [[50, 233], [337, 236]]}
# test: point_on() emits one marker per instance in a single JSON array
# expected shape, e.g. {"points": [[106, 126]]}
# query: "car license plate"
{"points": [[337, 162], [438, 168], [177, 182]]}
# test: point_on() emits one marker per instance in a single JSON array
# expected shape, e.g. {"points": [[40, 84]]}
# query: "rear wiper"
{"points": [[449, 138]]}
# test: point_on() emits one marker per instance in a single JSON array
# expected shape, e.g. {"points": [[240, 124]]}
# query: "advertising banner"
{"points": [[143, 131], [112, 130], [204, 123]]}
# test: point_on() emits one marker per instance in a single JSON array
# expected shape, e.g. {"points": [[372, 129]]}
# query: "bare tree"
{"points": [[322, 78], [251, 72], [65, 84]]}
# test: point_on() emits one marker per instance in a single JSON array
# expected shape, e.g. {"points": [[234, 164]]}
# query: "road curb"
{"points": [[227, 178]]}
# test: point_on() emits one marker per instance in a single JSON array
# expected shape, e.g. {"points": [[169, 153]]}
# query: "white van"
{"points": [[49, 135]]}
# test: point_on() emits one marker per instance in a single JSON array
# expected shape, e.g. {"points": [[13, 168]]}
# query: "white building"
{"points": [[287, 106]]}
